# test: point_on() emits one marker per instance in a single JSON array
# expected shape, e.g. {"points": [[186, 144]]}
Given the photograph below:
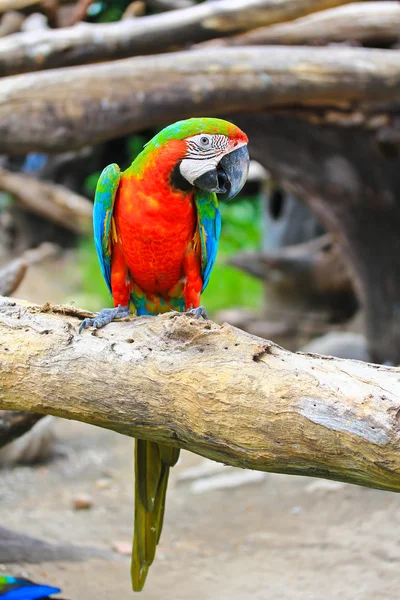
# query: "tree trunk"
{"points": [[349, 177], [211, 389]]}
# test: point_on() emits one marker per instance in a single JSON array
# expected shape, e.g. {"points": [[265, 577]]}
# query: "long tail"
{"points": [[152, 464]]}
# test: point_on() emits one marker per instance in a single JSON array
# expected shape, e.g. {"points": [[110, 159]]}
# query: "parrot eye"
{"points": [[204, 141]]}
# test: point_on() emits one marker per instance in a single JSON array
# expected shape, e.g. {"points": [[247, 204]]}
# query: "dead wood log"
{"points": [[69, 108], [156, 33], [211, 389], [311, 277], [348, 177], [365, 22], [52, 201]]}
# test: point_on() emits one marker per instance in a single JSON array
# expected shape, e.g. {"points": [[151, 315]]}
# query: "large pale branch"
{"points": [[46, 49], [70, 108], [365, 22], [211, 389]]}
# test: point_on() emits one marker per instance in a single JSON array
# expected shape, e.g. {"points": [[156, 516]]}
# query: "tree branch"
{"points": [[49, 200], [6, 5], [70, 108], [365, 22], [211, 389], [92, 43], [13, 272]]}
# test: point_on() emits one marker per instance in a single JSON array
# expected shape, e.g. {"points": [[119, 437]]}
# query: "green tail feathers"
{"points": [[152, 464]]}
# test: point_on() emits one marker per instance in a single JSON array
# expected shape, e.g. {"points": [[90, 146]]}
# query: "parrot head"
{"points": [[205, 153]]}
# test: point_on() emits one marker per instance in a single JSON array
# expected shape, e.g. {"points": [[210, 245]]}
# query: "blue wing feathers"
{"points": [[23, 589], [106, 191], [209, 223]]}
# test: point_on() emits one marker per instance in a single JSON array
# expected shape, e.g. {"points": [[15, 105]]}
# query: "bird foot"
{"points": [[104, 317], [198, 312]]}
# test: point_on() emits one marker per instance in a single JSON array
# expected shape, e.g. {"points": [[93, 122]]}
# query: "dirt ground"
{"points": [[274, 537], [281, 537]]}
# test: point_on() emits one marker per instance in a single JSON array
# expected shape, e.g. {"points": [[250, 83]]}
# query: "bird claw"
{"points": [[198, 312], [105, 316]]}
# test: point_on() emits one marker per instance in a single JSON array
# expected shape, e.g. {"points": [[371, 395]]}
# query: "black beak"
{"points": [[230, 175]]}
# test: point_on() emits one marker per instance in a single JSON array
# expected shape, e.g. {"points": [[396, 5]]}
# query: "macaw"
{"points": [[156, 231], [12, 588]]}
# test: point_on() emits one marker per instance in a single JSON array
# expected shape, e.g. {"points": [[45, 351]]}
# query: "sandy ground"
{"points": [[282, 537], [278, 538]]}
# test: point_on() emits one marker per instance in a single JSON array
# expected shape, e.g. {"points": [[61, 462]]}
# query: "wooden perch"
{"points": [[211, 389], [364, 22], [69, 108], [49, 200], [34, 51]]}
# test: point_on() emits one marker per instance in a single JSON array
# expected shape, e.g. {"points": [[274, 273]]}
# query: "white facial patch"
{"points": [[204, 152], [192, 168]]}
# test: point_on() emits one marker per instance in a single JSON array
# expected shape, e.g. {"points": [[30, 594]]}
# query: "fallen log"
{"points": [[87, 43], [364, 22], [69, 108], [50, 200], [211, 389], [345, 175], [309, 278]]}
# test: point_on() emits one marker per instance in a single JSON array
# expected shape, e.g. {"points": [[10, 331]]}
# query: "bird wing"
{"points": [[106, 191], [209, 227], [23, 589]]}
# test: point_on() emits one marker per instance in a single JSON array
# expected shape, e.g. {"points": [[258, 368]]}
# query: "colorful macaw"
{"points": [[156, 231], [12, 588]]}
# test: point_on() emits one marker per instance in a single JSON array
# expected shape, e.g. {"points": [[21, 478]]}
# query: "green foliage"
{"points": [[105, 12], [241, 230], [5, 200], [228, 287]]}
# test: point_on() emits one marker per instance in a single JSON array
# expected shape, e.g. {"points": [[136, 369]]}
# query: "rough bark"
{"points": [[365, 22], [350, 179], [156, 33], [70, 108], [211, 389], [52, 201]]}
